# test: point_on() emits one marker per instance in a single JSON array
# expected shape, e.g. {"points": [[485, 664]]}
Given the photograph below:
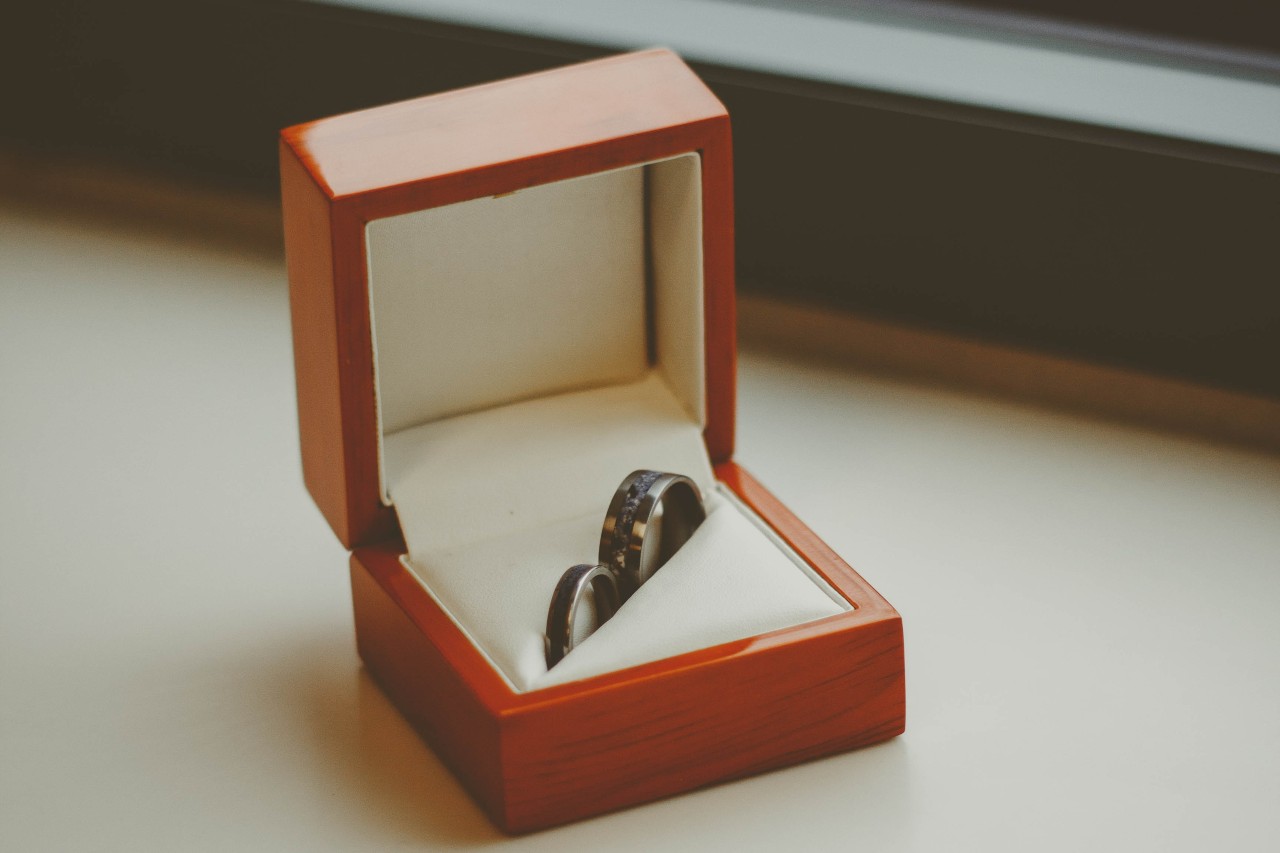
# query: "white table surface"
{"points": [[1092, 610]]}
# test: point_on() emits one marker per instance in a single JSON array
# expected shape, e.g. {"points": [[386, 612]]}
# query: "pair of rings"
{"points": [[632, 548]]}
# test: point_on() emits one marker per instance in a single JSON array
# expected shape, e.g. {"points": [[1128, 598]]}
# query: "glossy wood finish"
{"points": [[566, 752], [555, 755], [340, 173]]}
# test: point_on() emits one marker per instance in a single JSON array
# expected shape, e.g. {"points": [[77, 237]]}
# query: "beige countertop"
{"points": [[1090, 602]]}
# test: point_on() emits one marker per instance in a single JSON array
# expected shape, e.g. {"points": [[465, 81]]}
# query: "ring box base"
{"points": [[539, 759]]}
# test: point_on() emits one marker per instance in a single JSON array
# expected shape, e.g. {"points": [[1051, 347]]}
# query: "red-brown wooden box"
{"points": [[549, 756]]}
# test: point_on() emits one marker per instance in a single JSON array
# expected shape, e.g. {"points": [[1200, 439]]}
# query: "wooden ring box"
{"points": [[538, 753]]}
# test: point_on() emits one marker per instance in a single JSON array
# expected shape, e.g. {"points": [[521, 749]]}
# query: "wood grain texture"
{"points": [[538, 759], [340, 173], [720, 293], [309, 263], [580, 106]]}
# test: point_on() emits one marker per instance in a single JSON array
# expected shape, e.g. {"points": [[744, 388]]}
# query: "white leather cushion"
{"points": [[495, 505], [727, 583]]}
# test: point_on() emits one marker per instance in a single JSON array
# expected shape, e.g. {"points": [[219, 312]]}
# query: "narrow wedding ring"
{"points": [[574, 584]]}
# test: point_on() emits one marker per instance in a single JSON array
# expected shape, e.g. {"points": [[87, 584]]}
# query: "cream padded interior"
{"points": [[452, 342], [516, 391]]}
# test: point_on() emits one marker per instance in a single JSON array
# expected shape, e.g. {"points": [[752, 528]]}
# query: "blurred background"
{"points": [[1097, 180]]}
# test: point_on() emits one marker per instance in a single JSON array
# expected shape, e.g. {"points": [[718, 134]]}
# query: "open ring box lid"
{"points": [[505, 299]]}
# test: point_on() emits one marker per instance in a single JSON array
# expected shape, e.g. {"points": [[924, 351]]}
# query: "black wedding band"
{"points": [[624, 538], [573, 585]]}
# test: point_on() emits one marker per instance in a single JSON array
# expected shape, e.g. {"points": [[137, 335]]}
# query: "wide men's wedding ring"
{"points": [[627, 542], [565, 606]]}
